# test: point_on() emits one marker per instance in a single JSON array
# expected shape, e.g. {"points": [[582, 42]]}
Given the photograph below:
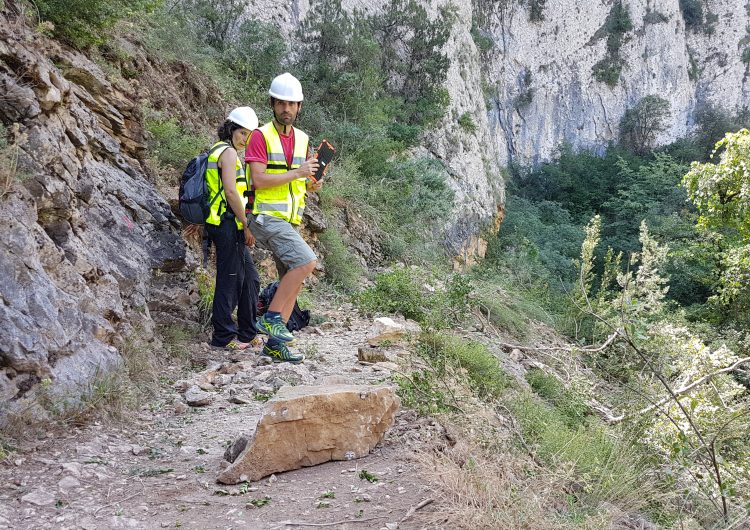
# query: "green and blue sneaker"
{"points": [[280, 353], [274, 328]]}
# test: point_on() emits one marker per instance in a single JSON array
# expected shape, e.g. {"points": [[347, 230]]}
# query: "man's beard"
{"points": [[280, 120]]}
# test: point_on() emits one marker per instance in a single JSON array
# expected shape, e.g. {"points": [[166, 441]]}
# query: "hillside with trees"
{"points": [[584, 354]]}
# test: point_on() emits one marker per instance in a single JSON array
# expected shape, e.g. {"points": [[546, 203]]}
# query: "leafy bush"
{"points": [[393, 292], [466, 121], [536, 10], [483, 371], [608, 70], [341, 266], [611, 468], [692, 13], [618, 23], [653, 16], [420, 390], [83, 23], [641, 124], [570, 404], [481, 40], [171, 145]]}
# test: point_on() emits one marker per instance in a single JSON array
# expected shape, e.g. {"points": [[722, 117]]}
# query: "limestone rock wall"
{"points": [[542, 92], [534, 88], [87, 238]]}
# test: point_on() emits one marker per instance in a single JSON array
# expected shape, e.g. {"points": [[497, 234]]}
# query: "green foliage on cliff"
{"points": [[84, 23], [616, 26], [692, 13]]}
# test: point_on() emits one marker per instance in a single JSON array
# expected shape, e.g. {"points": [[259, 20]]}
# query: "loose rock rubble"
{"points": [[159, 469]]}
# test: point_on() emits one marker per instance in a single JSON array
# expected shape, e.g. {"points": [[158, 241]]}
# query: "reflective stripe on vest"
{"points": [[286, 201], [213, 183]]}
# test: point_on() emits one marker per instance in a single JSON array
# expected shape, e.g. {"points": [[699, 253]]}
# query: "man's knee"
{"points": [[307, 268]]}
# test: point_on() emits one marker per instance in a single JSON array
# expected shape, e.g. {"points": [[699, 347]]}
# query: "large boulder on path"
{"points": [[308, 425]]}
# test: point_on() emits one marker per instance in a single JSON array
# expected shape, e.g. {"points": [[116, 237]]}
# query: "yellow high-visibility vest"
{"points": [[286, 201], [215, 187]]}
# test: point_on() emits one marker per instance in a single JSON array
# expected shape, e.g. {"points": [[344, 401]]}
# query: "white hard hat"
{"points": [[244, 117], [286, 87]]}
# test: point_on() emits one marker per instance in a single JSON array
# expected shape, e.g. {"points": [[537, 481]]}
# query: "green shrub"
{"points": [[83, 23], [483, 371], [171, 145], [608, 70], [746, 55], [653, 16], [481, 40], [610, 468], [420, 390], [393, 292], [618, 23], [692, 13], [205, 282], [572, 406], [536, 10], [466, 121], [341, 266]]}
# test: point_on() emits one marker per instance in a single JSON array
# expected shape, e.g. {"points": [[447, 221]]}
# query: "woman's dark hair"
{"points": [[226, 130]]}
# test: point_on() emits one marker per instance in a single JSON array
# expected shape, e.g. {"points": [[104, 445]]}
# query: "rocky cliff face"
{"points": [[523, 72], [87, 239], [541, 89]]}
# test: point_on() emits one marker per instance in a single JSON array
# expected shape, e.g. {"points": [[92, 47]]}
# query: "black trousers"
{"points": [[237, 285]]}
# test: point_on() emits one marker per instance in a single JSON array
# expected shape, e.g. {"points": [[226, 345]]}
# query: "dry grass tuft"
{"points": [[476, 490]]}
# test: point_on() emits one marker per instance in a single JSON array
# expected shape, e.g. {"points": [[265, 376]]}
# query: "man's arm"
{"points": [[262, 180]]}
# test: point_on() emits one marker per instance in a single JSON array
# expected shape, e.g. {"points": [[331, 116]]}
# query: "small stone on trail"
{"points": [[180, 408], [333, 380], [386, 329], [68, 483], [385, 366], [195, 397], [370, 355], [74, 468], [139, 450], [182, 385], [39, 498]]}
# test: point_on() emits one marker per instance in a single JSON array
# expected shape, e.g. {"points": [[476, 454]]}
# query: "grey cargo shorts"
{"points": [[283, 240]]}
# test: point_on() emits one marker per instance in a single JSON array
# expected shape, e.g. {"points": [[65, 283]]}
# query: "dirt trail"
{"points": [[160, 471]]}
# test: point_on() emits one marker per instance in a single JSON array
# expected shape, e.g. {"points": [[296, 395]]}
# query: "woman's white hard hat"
{"points": [[244, 117], [286, 87]]}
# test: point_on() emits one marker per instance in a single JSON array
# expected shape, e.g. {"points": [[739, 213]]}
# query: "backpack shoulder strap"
{"points": [[220, 192]]}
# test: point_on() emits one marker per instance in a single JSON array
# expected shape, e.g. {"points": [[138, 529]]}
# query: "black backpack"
{"points": [[195, 204], [297, 320]]}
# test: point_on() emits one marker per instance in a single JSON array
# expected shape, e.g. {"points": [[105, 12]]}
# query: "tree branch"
{"points": [[680, 391]]}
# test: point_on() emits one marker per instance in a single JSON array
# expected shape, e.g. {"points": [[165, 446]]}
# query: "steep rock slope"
{"points": [[529, 86], [88, 240], [540, 82], [470, 157]]}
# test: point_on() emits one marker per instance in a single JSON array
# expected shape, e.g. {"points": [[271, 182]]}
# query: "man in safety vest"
{"points": [[277, 156]]}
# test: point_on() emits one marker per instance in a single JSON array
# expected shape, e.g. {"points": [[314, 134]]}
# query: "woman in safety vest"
{"points": [[237, 281]]}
